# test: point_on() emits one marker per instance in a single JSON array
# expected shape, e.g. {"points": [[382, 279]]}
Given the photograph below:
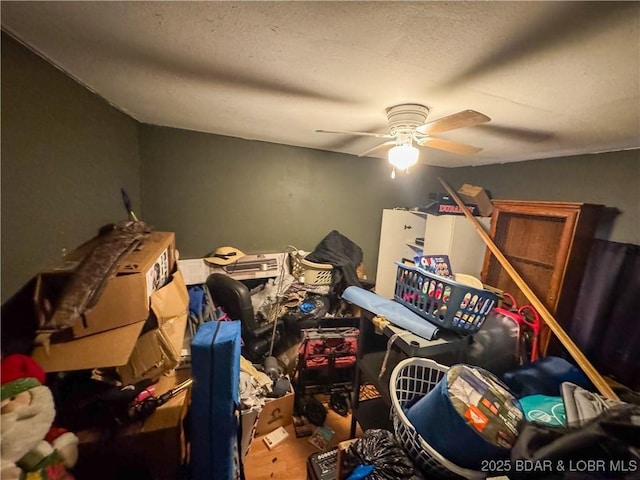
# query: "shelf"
{"points": [[374, 413], [415, 246], [447, 348], [528, 261], [370, 365]]}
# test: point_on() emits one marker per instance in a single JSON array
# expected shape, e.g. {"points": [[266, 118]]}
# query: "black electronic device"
{"points": [[323, 465]]}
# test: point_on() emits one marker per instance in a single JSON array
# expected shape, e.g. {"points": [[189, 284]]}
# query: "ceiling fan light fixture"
{"points": [[403, 156]]}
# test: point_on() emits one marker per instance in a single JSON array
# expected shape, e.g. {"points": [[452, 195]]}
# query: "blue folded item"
{"points": [[469, 417], [196, 300], [394, 312], [544, 377]]}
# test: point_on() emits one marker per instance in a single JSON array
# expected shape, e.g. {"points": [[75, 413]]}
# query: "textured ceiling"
{"points": [[556, 78]]}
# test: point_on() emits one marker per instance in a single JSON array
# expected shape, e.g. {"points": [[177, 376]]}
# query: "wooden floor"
{"points": [[288, 461]]}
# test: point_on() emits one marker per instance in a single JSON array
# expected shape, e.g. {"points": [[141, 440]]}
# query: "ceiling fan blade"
{"points": [[368, 134], [449, 146], [378, 147], [465, 118]]}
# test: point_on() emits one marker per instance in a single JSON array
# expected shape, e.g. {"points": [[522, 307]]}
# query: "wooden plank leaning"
{"points": [[598, 381]]}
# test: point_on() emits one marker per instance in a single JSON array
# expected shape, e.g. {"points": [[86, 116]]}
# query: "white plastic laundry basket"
{"points": [[411, 378], [313, 273]]}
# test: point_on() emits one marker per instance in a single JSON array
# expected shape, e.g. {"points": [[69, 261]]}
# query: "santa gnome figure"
{"points": [[30, 448]]}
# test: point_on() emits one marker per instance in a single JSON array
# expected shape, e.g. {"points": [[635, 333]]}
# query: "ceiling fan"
{"points": [[406, 123]]}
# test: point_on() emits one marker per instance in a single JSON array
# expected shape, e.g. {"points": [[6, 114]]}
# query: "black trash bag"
{"points": [[605, 447], [379, 448]]}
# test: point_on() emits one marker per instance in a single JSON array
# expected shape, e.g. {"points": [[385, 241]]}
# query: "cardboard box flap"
{"points": [[159, 350], [156, 352], [108, 349], [171, 301], [173, 335], [151, 353]]}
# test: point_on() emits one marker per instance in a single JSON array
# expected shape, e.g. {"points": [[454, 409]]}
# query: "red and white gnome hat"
{"points": [[19, 373]]}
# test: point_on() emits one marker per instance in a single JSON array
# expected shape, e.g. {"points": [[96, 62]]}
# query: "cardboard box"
{"points": [[476, 195], [249, 420], [277, 412], [443, 204], [125, 298], [158, 443], [160, 350], [105, 349], [143, 356]]}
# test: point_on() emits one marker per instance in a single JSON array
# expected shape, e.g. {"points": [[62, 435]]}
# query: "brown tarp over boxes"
{"points": [[275, 413], [476, 195], [125, 298], [137, 357]]}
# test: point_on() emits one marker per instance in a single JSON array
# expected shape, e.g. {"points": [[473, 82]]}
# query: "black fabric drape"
{"points": [[345, 255], [606, 321]]}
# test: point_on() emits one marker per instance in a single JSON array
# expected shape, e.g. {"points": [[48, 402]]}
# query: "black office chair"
{"points": [[233, 297]]}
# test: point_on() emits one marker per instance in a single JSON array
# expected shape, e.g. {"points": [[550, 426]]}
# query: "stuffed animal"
{"points": [[30, 448]]}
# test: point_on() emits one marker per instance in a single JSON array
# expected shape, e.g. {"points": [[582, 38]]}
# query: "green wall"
{"points": [[611, 179], [260, 197], [65, 155]]}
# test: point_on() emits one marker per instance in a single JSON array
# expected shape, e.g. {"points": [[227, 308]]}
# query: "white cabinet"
{"points": [[455, 236], [451, 235], [398, 234]]}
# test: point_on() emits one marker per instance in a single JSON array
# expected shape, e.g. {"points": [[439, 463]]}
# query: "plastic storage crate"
{"points": [[411, 379], [443, 301]]}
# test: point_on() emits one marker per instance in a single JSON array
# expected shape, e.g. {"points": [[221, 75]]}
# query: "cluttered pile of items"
{"points": [[275, 309], [109, 325], [129, 352], [504, 410], [282, 334]]}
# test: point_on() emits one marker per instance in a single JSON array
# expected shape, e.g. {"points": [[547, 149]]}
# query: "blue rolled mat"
{"points": [[393, 311]]}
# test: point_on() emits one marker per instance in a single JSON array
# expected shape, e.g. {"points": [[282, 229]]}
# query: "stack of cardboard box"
{"points": [[136, 327], [147, 283]]}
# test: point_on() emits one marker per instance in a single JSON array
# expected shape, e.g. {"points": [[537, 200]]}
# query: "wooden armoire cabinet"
{"points": [[547, 243]]}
